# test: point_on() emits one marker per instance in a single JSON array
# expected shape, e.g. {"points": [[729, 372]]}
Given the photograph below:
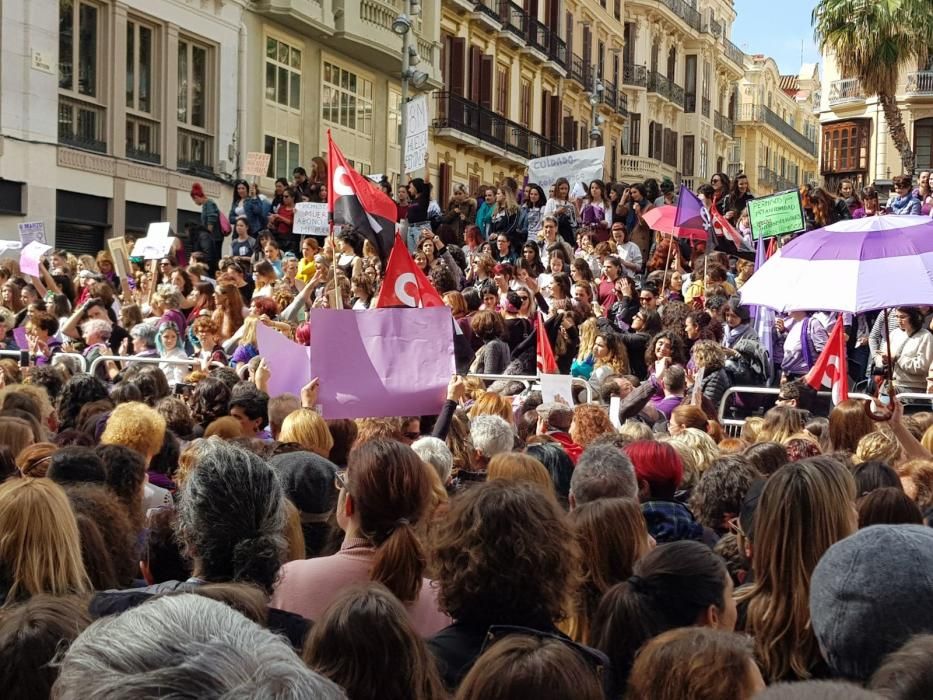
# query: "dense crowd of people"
{"points": [[170, 529]]}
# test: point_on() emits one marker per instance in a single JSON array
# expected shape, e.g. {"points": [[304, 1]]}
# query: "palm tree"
{"points": [[873, 40]]}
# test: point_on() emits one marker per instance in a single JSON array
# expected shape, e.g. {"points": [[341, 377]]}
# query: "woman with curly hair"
{"points": [[505, 554], [81, 389], [666, 347], [610, 356], [589, 423], [709, 356], [209, 401]]}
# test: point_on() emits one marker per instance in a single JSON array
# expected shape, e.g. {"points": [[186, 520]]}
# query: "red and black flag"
{"points": [[356, 201]]}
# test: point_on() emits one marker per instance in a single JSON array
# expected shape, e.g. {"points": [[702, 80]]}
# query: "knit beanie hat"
{"points": [[869, 594], [308, 481]]}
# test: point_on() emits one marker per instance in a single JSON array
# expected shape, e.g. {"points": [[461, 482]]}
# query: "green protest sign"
{"points": [[776, 215]]}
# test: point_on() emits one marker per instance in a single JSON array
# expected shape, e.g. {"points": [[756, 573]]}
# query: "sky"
{"points": [[776, 28]]}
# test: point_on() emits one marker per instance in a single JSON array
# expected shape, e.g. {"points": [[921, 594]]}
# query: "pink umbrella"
{"points": [[662, 219]]}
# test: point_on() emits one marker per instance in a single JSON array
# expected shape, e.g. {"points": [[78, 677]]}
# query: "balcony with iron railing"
{"points": [[479, 124], [661, 85], [557, 50], [636, 76], [733, 169], [845, 92], [514, 20], [82, 124], [767, 177], [759, 114], [690, 103], [920, 84], [722, 123], [622, 106], [610, 95], [733, 53], [195, 152], [489, 9], [784, 183], [580, 70], [685, 12], [142, 139]]}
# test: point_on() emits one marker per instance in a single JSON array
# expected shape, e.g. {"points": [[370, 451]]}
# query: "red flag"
{"points": [[404, 284], [358, 202], [545, 356], [830, 369], [724, 228]]}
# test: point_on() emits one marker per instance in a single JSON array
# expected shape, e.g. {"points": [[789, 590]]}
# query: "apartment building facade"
{"points": [[680, 71], [110, 110], [856, 144], [777, 127]]}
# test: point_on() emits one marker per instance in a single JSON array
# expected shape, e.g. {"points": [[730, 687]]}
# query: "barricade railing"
{"points": [[529, 380], [734, 425], [191, 361], [81, 359]]}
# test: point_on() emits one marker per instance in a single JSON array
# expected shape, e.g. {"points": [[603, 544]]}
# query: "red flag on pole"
{"points": [[830, 370], [356, 201], [404, 284], [721, 224], [545, 356]]}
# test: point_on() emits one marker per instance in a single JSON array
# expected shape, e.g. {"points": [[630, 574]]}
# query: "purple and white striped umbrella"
{"points": [[854, 265]]}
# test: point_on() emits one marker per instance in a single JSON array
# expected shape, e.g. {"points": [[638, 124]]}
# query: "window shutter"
{"points": [[476, 59], [457, 67], [485, 77]]}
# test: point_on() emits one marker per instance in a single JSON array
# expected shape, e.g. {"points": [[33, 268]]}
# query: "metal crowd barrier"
{"points": [[191, 361], [81, 359], [531, 380], [733, 426]]}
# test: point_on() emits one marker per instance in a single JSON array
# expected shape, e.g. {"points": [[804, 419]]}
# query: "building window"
{"points": [[688, 155], [524, 98], [81, 114], [395, 117], [502, 91], [142, 128], [845, 147], [923, 143], [634, 140], [284, 157], [195, 142], [348, 100], [704, 159], [283, 74]]}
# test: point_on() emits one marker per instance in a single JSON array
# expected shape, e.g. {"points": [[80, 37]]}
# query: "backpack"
{"points": [[224, 223], [751, 366]]}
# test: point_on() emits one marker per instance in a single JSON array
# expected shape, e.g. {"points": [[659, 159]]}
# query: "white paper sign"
{"points": [[30, 231], [576, 166], [557, 386], [150, 248], [416, 133], [311, 218], [257, 164], [161, 229], [615, 403]]}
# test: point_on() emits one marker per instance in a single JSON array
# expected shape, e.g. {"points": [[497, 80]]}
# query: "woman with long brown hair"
{"points": [[40, 548], [366, 644], [383, 494], [612, 536], [228, 314], [804, 508], [848, 423]]}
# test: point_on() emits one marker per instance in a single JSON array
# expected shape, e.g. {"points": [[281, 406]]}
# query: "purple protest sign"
{"points": [[382, 362], [22, 341], [287, 359]]}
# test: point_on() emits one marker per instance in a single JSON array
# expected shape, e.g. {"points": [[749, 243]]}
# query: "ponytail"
{"points": [[400, 562]]}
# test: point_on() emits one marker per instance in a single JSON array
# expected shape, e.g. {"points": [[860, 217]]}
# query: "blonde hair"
{"points": [[879, 445], [751, 429], [309, 430], [516, 466], [294, 535], [40, 548], [137, 426], [588, 332], [249, 331], [489, 403], [920, 473], [691, 475], [699, 445], [780, 423], [636, 430]]}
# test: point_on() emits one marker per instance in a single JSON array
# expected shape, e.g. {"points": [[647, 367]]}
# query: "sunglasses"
{"points": [[412, 436], [340, 479]]}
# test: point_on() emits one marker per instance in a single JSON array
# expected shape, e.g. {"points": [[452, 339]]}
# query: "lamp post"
{"points": [[403, 27], [596, 96]]}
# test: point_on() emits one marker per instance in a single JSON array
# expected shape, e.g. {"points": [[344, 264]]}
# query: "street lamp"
{"points": [[596, 96], [416, 78]]}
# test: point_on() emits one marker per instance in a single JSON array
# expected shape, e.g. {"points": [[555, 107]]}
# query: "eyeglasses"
{"points": [[340, 479], [165, 264], [646, 298], [523, 298]]}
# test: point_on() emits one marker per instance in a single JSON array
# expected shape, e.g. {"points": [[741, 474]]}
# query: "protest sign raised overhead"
{"points": [[311, 219], [390, 362], [576, 166], [31, 255], [257, 164], [30, 231], [416, 133], [776, 215]]}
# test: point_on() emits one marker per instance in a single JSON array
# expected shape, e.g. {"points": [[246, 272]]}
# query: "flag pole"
{"points": [[338, 298]]}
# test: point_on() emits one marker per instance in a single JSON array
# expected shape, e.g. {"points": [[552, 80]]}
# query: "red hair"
{"points": [[303, 332], [658, 464], [197, 190]]}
